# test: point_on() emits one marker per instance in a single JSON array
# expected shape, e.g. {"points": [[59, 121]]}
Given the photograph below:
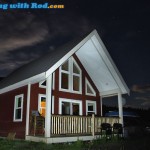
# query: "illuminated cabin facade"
{"points": [[70, 81]]}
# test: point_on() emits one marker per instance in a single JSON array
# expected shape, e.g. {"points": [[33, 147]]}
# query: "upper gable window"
{"points": [[70, 76], [89, 89]]}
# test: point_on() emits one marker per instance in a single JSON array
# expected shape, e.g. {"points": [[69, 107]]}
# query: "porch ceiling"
{"points": [[99, 65]]}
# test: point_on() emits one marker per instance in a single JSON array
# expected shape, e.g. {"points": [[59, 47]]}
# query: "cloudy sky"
{"points": [[123, 25]]}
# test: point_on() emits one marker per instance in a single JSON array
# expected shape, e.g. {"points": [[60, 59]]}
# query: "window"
{"points": [[89, 89], [70, 77], [42, 104], [70, 107], [18, 108], [91, 107], [42, 84]]}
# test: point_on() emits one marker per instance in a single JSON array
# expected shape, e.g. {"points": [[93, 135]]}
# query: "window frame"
{"points": [[87, 83], [61, 100], [94, 104], [70, 74], [39, 102], [15, 101]]}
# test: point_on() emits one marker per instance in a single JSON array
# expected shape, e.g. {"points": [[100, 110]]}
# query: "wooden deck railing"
{"points": [[78, 124]]}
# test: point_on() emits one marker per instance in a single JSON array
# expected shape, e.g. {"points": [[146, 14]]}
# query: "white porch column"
{"points": [[120, 107], [101, 105], [28, 108], [48, 106]]}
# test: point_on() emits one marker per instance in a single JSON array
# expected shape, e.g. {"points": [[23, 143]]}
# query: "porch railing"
{"points": [[78, 124]]}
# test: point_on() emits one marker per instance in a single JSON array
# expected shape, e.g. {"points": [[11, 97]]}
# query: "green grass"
{"points": [[99, 144]]}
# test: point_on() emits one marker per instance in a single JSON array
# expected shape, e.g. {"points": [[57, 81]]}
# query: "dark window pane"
{"points": [[65, 108], [43, 99], [89, 90], [18, 114], [75, 69], [65, 66], [75, 109], [90, 107], [44, 83], [64, 81], [19, 100], [76, 83]]}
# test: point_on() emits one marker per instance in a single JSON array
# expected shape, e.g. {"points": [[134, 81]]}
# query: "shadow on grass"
{"points": [[98, 144]]}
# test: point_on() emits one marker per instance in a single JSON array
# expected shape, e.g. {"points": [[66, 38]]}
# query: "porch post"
{"points": [[28, 108], [48, 106], [120, 107], [101, 105]]}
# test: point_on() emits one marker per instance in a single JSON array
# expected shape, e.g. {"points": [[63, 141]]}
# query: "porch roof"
{"points": [[91, 52]]}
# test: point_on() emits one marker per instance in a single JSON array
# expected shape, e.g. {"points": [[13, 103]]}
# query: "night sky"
{"points": [[123, 25]]}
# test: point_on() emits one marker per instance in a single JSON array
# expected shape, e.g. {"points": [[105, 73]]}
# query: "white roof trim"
{"points": [[32, 80], [97, 42], [109, 63], [110, 93], [69, 54]]}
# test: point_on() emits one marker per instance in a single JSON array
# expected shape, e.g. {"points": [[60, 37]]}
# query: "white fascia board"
{"points": [[109, 93], [109, 62], [31, 80], [69, 54]]}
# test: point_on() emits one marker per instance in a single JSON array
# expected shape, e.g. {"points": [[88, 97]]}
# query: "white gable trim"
{"points": [[31, 80], [96, 40], [94, 37], [110, 93], [101, 49], [69, 54]]}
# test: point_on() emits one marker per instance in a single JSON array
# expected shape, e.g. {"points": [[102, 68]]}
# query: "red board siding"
{"points": [[7, 102], [35, 90], [7, 113]]}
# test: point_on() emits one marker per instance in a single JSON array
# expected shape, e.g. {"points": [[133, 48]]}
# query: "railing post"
{"points": [[93, 124]]}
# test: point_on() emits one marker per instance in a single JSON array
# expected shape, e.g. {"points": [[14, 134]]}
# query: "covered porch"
{"points": [[69, 128], [96, 61]]}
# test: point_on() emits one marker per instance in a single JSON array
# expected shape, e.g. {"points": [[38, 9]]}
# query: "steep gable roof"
{"points": [[93, 56]]}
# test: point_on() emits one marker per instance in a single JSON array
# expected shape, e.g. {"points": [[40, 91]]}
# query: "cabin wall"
{"points": [[7, 124], [36, 90]]}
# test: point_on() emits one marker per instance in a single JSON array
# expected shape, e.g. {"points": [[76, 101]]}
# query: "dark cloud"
{"points": [[20, 29], [141, 88], [26, 36]]}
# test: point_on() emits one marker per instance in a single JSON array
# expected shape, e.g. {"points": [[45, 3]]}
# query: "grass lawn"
{"points": [[99, 144]]}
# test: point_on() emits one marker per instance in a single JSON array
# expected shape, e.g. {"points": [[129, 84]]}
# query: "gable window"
{"points": [[42, 104], [91, 107], [89, 89], [18, 108], [42, 84], [70, 76]]}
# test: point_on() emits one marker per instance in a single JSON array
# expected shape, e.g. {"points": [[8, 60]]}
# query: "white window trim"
{"points": [[70, 76], [39, 102], [60, 79], [22, 98], [42, 86], [95, 106], [78, 75], [88, 83], [61, 100]]}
